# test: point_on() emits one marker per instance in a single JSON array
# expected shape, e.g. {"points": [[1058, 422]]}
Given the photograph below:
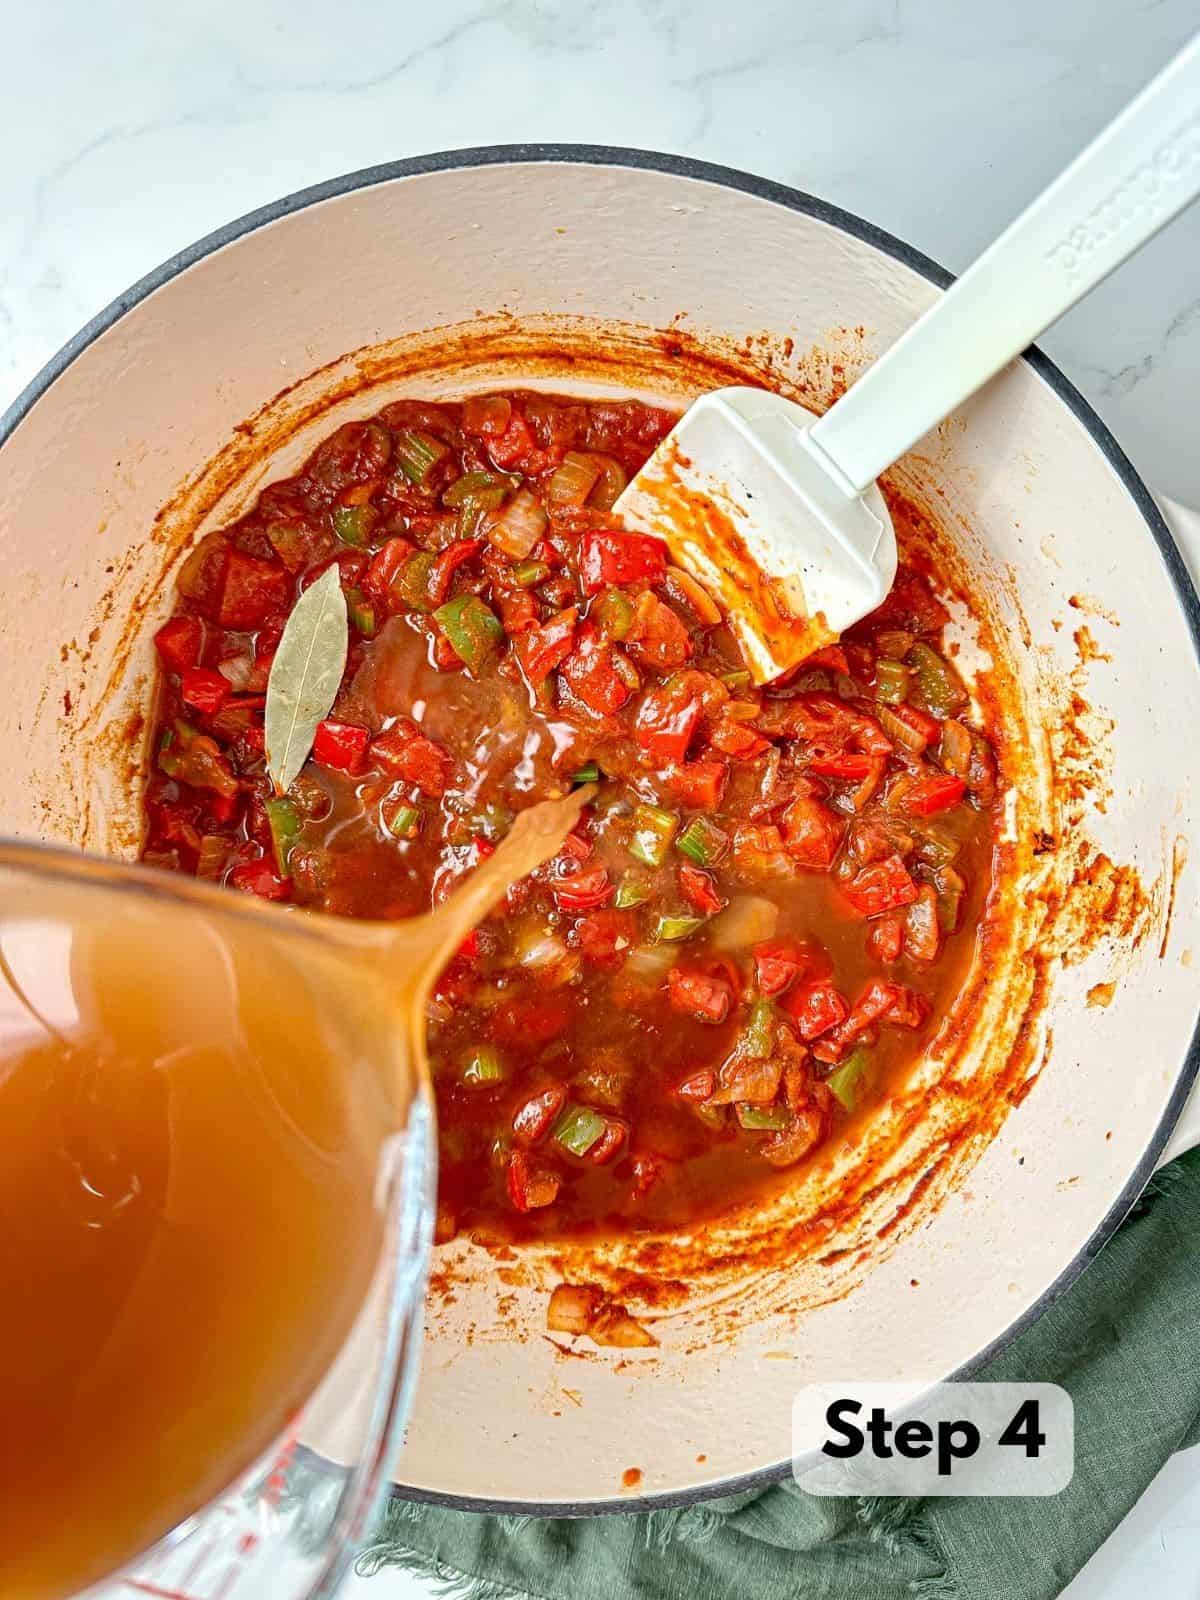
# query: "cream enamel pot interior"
{"points": [[565, 265]]}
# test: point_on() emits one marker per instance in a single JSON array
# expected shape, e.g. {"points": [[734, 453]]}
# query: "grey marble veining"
{"points": [[130, 129]]}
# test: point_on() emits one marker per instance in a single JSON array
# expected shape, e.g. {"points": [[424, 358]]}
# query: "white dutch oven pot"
{"points": [[563, 266]]}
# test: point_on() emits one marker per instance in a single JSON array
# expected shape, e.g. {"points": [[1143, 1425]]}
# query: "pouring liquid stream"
{"points": [[197, 1099]]}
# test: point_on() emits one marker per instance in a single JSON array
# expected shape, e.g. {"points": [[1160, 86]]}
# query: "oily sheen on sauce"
{"points": [[756, 925]]}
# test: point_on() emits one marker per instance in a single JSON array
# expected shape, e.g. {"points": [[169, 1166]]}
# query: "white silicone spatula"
{"points": [[777, 511]]}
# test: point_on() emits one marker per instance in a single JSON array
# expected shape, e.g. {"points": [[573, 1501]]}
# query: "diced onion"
{"points": [[651, 961], [571, 1308], [746, 920], [573, 481], [683, 589], [237, 670], [519, 526]]}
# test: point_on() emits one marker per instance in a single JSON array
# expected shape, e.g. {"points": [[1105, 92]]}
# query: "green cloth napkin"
{"points": [[1125, 1341]]}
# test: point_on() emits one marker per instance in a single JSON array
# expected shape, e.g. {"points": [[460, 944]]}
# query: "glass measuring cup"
{"points": [[208, 1398]]}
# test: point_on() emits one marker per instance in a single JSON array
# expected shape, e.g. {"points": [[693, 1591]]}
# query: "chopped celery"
{"points": [[940, 687], [285, 825], [588, 773], [464, 488], [472, 627], [703, 842], [846, 1081], [481, 1064], [404, 822], [670, 929], [578, 1128], [736, 680], [757, 1039], [361, 612], [653, 831], [528, 574], [417, 454], [476, 506], [891, 681], [354, 524], [761, 1119], [631, 893]]}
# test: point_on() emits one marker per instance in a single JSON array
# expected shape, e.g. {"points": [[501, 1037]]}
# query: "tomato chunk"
{"points": [[667, 720], [698, 783], [778, 963], [252, 591], [204, 690], [341, 746], [605, 938], [815, 1008], [584, 891], [591, 673], [936, 793], [529, 1187], [693, 994], [882, 886], [405, 753], [611, 558], [812, 833], [532, 1118], [541, 649], [260, 878], [699, 890], [180, 643]]}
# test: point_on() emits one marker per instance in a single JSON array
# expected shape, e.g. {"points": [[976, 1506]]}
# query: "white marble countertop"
{"points": [[130, 129]]}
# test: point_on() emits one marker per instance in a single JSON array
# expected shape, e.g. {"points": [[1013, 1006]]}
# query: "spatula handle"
{"points": [[1129, 182]]}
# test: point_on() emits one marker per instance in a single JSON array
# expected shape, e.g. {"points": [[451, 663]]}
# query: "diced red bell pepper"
{"points": [[695, 995], [698, 783], [543, 648], [260, 878], [850, 766], [814, 1008], [512, 447], [584, 891], [529, 1187], [591, 674], [252, 591], [778, 963], [699, 890], [667, 720], [447, 564], [812, 833], [610, 1141], [908, 1009], [606, 937], [883, 886], [658, 637], [384, 568], [204, 690], [221, 807], [532, 1118], [405, 753], [874, 1004], [925, 729], [341, 746], [610, 558], [938, 792], [180, 643], [698, 1085]]}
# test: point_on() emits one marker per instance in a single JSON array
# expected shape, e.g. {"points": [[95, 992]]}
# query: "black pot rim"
{"points": [[794, 200]]}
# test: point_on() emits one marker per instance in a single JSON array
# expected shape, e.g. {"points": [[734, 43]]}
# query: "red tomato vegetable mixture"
{"points": [[758, 923]]}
